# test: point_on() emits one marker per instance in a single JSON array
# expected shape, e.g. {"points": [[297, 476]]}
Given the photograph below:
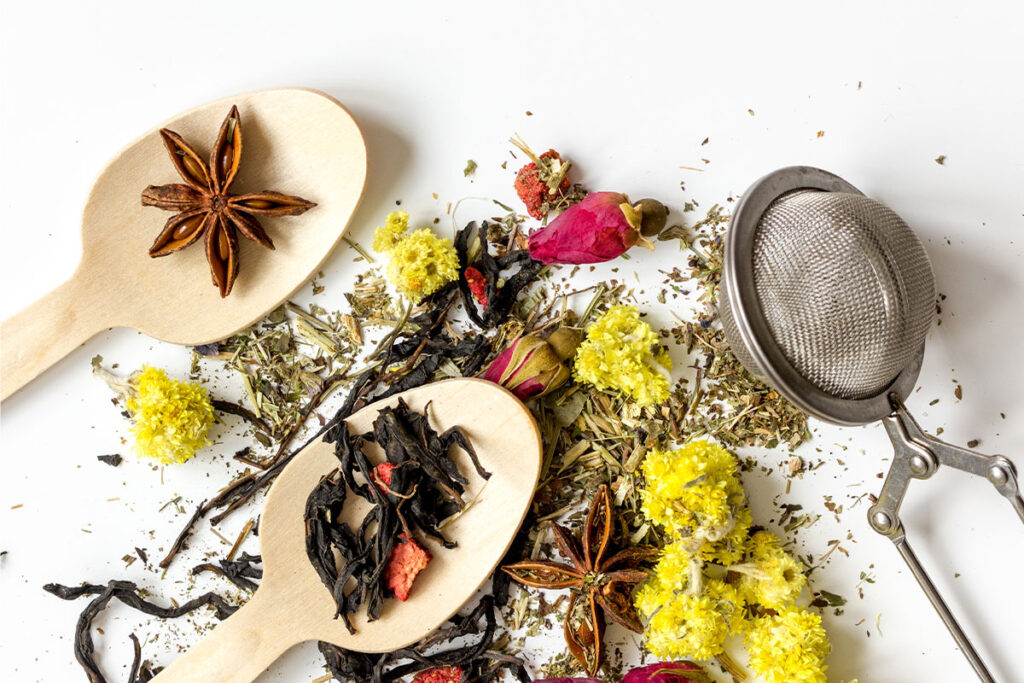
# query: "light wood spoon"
{"points": [[292, 606], [300, 142]]}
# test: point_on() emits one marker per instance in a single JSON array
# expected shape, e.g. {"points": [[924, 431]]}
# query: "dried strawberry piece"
{"points": [[531, 184], [408, 558], [477, 285], [439, 674], [382, 476]]}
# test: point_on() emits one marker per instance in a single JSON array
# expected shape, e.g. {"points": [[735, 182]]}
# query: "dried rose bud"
{"points": [[667, 672], [408, 558], [439, 674], [532, 366], [601, 227], [541, 180]]}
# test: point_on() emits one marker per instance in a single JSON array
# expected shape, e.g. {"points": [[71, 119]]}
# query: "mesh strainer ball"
{"points": [[827, 294]]}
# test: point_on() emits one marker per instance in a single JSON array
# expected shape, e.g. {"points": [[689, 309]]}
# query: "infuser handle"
{"points": [[901, 543], [918, 456], [997, 469]]}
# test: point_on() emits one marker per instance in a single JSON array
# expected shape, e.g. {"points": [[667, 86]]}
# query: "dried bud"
{"points": [[532, 366], [601, 227], [667, 672]]}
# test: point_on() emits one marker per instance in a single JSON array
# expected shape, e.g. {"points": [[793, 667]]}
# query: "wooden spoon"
{"points": [[292, 606], [300, 142]]}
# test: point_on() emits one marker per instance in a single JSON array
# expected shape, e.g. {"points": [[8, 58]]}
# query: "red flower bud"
{"points": [[601, 227], [408, 558], [532, 366], [667, 672], [663, 672]]}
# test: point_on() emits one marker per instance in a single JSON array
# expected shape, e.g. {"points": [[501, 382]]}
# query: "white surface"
{"points": [[627, 94]]}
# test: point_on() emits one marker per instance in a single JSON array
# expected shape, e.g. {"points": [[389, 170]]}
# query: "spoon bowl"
{"points": [[293, 606], [300, 142]]}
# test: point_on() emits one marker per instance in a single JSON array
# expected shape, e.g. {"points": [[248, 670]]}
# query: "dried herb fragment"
{"points": [[446, 647], [204, 207], [602, 583], [114, 459]]}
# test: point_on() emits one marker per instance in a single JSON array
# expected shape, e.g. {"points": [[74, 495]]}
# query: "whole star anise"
{"points": [[602, 583], [205, 207]]}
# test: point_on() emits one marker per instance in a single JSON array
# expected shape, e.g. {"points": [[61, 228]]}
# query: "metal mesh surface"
{"points": [[845, 287]]}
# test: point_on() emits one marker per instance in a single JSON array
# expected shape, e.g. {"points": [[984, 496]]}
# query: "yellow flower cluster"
{"points": [[621, 353], [171, 418], [788, 647], [693, 493], [687, 615], [689, 609], [420, 262], [774, 579]]}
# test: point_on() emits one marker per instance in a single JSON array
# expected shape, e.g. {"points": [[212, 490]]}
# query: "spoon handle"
{"points": [[38, 336], [238, 650]]}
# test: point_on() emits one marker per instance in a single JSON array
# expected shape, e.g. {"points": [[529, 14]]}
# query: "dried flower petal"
{"points": [[408, 559], [439, 674], [534, 182]]}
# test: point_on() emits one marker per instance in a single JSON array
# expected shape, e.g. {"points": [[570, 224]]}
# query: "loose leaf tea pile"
{"points": [[504, 315], [411, 493]]}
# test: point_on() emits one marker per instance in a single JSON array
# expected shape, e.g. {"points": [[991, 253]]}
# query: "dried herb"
{"points": [[500, 289], [114, 459], [424, 488], [479, 660], [601, 581], [204, 207], [129, 594]]}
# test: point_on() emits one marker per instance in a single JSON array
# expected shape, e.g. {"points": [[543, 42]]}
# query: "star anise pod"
{"points": [[602, 583], [206, 208]]}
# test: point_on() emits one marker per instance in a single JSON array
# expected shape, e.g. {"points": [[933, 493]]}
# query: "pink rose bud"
{"points": [[601, 227], [667, 672], [532, 366]]}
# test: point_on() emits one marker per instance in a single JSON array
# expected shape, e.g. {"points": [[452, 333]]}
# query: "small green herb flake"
{"points": [[941, 160], [470, 168], [832, 599]]}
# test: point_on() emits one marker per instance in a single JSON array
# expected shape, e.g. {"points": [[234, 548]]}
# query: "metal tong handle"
{"points": [[918, 456]]}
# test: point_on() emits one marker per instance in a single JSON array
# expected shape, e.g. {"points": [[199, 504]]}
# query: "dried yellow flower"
{"points": [[420, 262], [171, 418], [769, 577], [789, 647], [693, 494], [621, 353]]}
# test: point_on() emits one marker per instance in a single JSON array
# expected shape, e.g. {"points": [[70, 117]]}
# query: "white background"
{"points": [[629, 93]]}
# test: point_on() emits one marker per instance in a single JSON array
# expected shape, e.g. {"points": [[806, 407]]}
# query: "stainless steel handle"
{"points": [[917, 456]]}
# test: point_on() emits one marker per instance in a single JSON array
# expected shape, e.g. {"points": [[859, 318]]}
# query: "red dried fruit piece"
{"points": [[532, 187], [382, 476], [477, 285], [439, 674], [408, 558]]}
